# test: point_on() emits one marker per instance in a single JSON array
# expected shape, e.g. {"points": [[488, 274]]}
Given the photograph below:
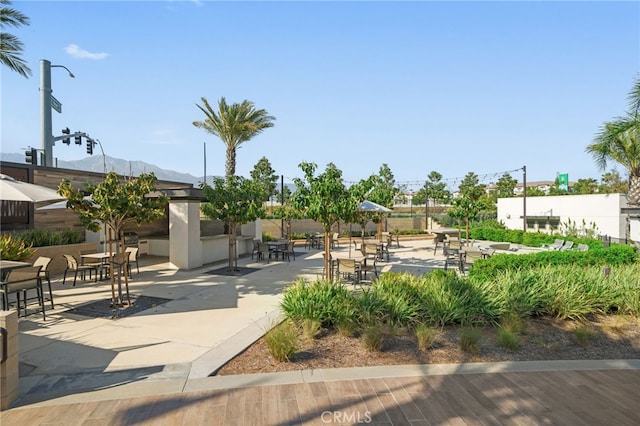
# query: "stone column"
{"points": [[185, 250], [9, 375]]}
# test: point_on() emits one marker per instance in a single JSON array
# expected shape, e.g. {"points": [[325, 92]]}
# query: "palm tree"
{"points": [[234, 124], [619, 140], [10, 45]]}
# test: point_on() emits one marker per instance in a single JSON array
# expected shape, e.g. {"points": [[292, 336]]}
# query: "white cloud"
{"points": [[75, 51]]}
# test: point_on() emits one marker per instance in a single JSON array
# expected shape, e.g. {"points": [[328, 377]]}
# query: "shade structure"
{"points": [[15, 190], [60, 204], [370, 206]]}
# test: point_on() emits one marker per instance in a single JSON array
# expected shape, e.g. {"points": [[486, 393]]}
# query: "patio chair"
{"points": [[44, 262], [468, 257], [133, 258], [75, 267], [451, 257], [438, 242], [374, 250], [19, 281], [349, 269], [256, 247], [288, 251], [567, 245], [557, 244], [264, 252], [454, 243], [334, 240], [582, 247], [368, 265]]}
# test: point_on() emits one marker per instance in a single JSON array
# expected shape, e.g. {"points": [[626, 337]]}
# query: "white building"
{"points": [[550, 213]]}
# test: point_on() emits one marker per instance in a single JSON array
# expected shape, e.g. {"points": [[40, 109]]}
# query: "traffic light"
{"points": [[78, 140], [89, 147], [31, 156], [66, 131]]}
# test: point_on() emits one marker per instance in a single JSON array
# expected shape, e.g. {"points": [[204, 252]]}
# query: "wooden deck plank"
{"points": [[405, 401], [370, 398], [566, 397], [197, 404], [234, 413]]}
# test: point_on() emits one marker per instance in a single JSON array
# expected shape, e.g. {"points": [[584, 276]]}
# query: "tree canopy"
{"points": [[234, 201], [234, 124], [619, 141], [10, 45]]}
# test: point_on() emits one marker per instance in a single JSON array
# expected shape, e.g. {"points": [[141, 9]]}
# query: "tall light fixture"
{"points": [[46, 133]]}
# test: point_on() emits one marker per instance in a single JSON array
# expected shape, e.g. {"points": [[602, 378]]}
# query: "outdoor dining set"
{"points": [[19, 278]]}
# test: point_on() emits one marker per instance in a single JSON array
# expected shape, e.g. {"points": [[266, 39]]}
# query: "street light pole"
{"points": [[46, 132]]}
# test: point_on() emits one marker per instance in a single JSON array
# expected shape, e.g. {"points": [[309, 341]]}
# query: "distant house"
{"points": [[543, 185], [549, 214]]}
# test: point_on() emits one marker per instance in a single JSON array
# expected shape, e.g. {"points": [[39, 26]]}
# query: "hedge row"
{"points": [[616, 254]]}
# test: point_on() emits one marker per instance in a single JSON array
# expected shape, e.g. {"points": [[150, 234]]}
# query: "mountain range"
{"points": [[123, 167]]}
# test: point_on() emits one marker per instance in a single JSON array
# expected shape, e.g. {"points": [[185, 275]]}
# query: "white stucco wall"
{"points": [[601, 209]]}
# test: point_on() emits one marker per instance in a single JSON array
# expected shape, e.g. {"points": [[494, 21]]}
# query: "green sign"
{"points": [[55, 104], [563, 181]]}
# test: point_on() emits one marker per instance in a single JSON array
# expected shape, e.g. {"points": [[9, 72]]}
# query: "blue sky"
{"points": [[453, 87]]}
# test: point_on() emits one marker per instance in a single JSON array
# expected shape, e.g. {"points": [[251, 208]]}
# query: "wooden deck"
{"points": [[591, 397]]}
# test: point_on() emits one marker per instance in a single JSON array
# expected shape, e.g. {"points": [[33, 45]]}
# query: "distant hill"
{"points": [[120, 166]]}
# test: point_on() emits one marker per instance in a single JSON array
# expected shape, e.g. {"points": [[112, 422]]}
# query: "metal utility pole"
{"points": [[46, 133], [524, 198], [426, 206], [282, 204]]}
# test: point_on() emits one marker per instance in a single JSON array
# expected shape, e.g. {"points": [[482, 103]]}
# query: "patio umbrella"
{"points": [[370, 206], [60, 204], [15, 190]]}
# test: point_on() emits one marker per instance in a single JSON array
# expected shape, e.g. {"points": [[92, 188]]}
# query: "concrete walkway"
{"points": [[173, 347]]}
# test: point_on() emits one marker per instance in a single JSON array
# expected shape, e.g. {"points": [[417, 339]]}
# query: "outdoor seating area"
{"points": [[201, 303]]}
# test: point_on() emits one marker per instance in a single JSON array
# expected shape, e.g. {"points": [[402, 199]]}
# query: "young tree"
{"points": [[383, 191], [233, 124], [612, 184], [505, 186], [585, 186], [10, 45], [469, 202], [264, 175], [435, 190], [234, 201], [114, 203], [323, 198]]}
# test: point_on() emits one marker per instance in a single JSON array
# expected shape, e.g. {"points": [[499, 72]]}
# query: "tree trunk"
{"points": [[230, 164], [327, 256], [633, 197], [231, 240]]}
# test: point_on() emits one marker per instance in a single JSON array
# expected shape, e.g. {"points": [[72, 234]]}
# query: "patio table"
{"points": [[7, 265]]}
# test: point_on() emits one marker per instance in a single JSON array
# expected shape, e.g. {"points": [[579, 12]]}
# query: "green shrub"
{"points": [[324, 301], [511, 322], [371, 309], [616, 254], [310, 328], [266, 237], [282, 341], [583, 335], [373, 337], [470, 339], [508, 339], [46, 238], [426, 336], [14, 249], [347, 327]]}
